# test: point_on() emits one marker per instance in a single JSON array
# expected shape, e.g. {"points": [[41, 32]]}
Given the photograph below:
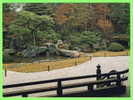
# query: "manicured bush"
{"points": [[115, 47]]}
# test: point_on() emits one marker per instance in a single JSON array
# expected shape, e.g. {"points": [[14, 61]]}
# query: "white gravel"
{"points": [[118, 63]]}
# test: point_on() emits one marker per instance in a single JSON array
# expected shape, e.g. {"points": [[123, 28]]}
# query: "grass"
{"points": [[110, 53], [52, 65], [43, 66]]}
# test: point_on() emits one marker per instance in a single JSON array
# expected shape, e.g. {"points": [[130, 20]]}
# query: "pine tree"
{"points": [[39, 8]]}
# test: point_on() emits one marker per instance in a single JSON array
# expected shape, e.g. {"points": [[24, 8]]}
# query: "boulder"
{"points": [[33, 51], [69, 53]]}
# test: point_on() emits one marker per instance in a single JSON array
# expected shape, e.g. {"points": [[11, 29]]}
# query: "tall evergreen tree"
{"points": [[40, 8], [120, 16]]}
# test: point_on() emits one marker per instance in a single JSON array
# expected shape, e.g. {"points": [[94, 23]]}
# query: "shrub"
{"points": [[51, 50], [115, 47], [7, 58]]}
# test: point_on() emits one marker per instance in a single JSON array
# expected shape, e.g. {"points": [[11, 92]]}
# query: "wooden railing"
{"points": [[60, 87]]}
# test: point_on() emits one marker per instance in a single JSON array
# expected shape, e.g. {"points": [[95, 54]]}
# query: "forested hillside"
{"points": [[81, 27]]}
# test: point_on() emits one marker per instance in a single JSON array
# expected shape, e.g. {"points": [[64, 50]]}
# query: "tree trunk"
{"points": [[34, 39]]}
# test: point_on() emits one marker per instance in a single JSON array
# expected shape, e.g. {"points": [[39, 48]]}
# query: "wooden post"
{"points": [[108, 77], [48, 68], [98, 72], [90, 57], [78, 59], [119, 81], [59, 90], [24, 95], [75, 62]]}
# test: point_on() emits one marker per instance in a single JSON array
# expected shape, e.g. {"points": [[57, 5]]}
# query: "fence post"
{"points": [[59, 90], [90, 57], [48, 68], [75, 62], [98, 73], [119, 80], [108, 77]]}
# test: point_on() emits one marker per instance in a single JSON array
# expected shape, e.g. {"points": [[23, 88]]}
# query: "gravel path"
{"points": [[118, 63]]}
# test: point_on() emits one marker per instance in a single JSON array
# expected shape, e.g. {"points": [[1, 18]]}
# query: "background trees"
{"points": [[86, 27], [33, 28], [120, 17], [40, 8]]}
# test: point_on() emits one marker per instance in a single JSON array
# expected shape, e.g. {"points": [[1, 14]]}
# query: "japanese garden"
{"points": [[48, 37]]}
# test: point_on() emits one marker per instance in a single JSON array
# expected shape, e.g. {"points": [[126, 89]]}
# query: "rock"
{"points": [[33, 51], [69, 53]]}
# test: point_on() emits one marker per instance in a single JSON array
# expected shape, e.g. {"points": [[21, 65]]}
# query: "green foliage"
{"points": [[85, 40], [51, 50], [115, 47], [90, 37], [39, 8], [33, 27], [6, 7], [33, 51], [80, 18], [128, 29], [120, 16], [37, 24], [7, 58]]}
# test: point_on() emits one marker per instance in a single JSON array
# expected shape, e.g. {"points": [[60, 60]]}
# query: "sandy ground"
{"points": [[118, 63]]}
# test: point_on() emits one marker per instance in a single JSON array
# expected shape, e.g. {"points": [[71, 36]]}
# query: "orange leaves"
{"points": [[8, 17], [104, 24], [86, 15], [62, 11], [102, 9]]}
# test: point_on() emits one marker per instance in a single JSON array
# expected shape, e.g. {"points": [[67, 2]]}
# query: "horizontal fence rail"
{"points": [[62, 79], [59, 88]]}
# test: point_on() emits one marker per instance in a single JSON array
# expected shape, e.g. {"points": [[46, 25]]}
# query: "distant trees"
{"points": [[82, 18], [120, 17], [83, 26], [75, 18], [8, 16], [86, 40], [40, 9]]}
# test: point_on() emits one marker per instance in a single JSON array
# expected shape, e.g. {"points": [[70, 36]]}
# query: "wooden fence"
{"points": [[106, 82]]}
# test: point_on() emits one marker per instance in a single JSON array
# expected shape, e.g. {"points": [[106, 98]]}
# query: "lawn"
{"points": [[110, 53], [45, 66], [52, 65]]}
